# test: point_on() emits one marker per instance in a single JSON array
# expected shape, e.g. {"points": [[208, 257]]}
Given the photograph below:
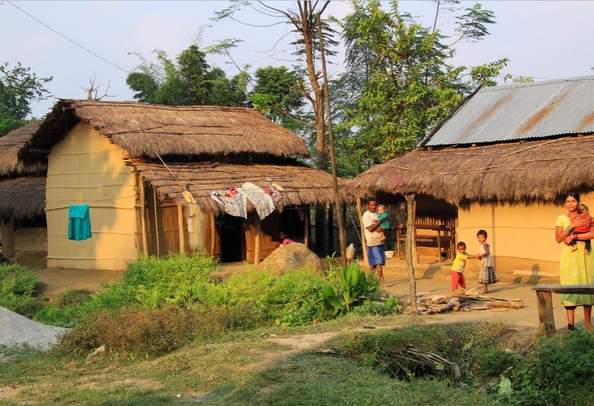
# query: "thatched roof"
{"points": [[11, 144], [151, 131], [302, 185], [22, 198], [535, 170]]}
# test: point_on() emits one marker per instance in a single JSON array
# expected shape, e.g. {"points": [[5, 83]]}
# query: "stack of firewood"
{"points": [[460, 300]]}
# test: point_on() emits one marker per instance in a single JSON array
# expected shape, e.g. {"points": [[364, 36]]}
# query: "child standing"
{"points": [[382, 216], [457, 272], [487, 275]]}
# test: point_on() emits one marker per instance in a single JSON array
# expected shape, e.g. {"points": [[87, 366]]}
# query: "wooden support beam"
{"points": [[410, 248], [142, 215], [180, 225], [213, 234], [257, 241], [156, 224]]}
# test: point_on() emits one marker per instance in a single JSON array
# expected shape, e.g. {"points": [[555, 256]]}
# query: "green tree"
{"points": [[277, 94], [19, 87], [190, 81], [407, 85]]}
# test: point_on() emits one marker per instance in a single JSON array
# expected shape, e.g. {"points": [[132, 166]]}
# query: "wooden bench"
{"points": [[544, 296]]}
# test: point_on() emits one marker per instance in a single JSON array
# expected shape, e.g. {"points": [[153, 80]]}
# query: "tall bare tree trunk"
{"points": [[337, 202], [410, 236]]}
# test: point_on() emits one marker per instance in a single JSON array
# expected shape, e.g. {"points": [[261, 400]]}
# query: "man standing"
{"points": [[375, 247]]}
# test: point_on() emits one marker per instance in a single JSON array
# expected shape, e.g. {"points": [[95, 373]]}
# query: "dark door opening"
{"points": [[232, 239]]}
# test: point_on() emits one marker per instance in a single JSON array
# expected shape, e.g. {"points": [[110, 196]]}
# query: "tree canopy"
{"points": [[19, 87], [190, 81]]}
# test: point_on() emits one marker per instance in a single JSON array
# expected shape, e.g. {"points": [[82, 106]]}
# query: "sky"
{"points": [[74, 41]]}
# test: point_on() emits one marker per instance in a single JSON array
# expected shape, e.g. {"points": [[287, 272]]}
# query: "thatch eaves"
{"points": [[154, 131], [524, 171], [302, 185], [10, 146], [22, 198]]}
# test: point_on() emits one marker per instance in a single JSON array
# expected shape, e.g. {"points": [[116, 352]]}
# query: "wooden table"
{"points": [[544, 295]]}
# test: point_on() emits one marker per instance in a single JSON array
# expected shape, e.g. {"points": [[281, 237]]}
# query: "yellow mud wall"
{"points": [[85, 168], [522, 237]]}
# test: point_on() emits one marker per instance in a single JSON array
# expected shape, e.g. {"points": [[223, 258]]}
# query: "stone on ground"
{"points": [[16, 330], [291, 257]]}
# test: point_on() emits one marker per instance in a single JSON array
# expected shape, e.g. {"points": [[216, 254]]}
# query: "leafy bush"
{"points": [[18, 287], [74, 297], [555, 372]]}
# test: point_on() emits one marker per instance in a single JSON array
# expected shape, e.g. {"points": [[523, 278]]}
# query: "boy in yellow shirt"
{"points": [[457, 272]]}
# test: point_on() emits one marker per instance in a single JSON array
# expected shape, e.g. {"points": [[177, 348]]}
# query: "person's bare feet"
{"points": [[573, 248], [588, 326]]}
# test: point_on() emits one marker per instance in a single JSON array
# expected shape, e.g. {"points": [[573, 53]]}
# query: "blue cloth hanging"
{"points": [[79, 222]]}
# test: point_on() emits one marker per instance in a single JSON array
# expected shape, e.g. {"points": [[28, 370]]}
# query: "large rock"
{"points": [[290, 257]]}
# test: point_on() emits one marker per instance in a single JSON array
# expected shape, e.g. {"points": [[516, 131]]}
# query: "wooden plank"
{"points": [[572, 289], [545, 311], [213, 234], [306, 228]]}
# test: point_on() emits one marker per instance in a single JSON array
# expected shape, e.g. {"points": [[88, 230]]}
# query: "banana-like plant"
{"points": [[350, 288]]}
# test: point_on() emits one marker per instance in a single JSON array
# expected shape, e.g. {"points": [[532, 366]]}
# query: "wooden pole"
{"points": [[545, 311], [142, 215], [363, 242], [180, 225], [410, 233], [413, 240], [213, 234], [306, 231], [156, 224], [257, 241]]}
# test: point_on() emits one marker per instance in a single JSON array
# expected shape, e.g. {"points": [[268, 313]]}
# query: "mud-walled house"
{"points": [[126, 179], [23, 229], [503, 160]]}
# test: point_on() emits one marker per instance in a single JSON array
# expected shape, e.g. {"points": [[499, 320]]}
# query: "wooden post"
{"points": [[545, 311], [413, 240], [156, 224], [363, 242], [142, 215], [180, 224], [410, 235], [213, 234], [257, 240], [306, 231], [331, 250]]}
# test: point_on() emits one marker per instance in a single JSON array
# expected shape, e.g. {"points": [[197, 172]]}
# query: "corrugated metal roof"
{"points": [[521, 111]]}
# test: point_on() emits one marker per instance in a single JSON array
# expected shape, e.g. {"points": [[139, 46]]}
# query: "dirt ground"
{"points": [[432, 278]]}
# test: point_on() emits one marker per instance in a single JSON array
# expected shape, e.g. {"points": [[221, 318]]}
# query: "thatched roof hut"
{"points": [[155, 131], [10, 146], [520, 142], [22, 198]]}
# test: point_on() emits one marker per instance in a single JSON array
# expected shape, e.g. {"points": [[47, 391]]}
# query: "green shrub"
{"points": [[18, 287], [74, 297], [175, 279], [555, 372]]}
